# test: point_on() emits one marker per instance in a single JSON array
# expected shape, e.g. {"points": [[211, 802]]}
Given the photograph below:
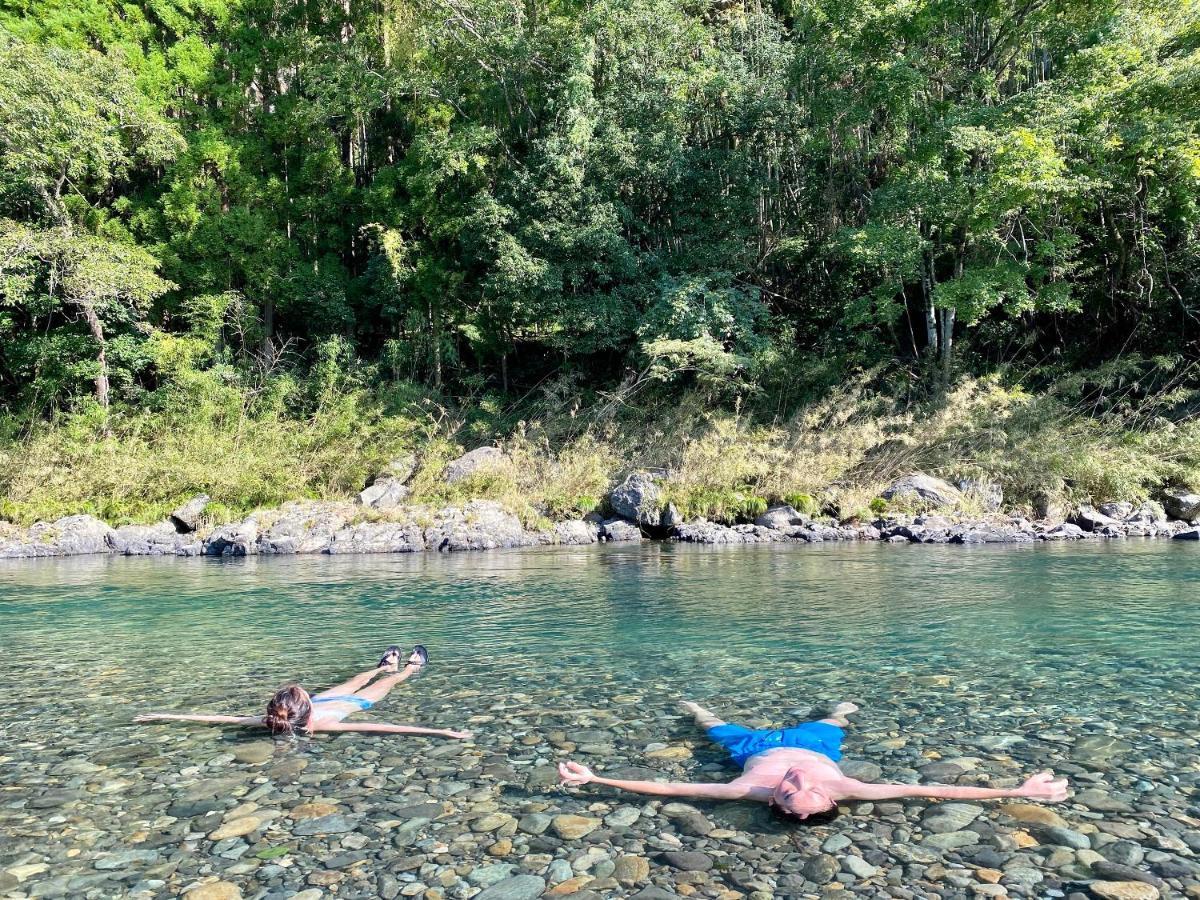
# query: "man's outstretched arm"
{"points": [[1043, 786], [572, 774]]}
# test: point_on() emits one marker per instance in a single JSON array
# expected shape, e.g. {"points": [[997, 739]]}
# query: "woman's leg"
{"points": [[379, 689], [354, 685]]}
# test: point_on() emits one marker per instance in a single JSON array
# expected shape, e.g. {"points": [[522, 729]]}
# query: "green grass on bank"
{"points": [[251, 448]]}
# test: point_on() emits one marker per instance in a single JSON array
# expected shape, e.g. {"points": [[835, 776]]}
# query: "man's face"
{"points": [[797, 798]]}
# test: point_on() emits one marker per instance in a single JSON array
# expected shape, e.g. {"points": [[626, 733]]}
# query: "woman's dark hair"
{"points": [[288, 710]]}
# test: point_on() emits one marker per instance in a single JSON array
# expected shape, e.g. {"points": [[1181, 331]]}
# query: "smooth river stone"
{"points": [[254, 753], [1124, 890], [688, 860], [335, 824], [313, 810], [1029, 813], [237, 828], [215, 890], [946, 817], [631, 870], [571, 827], [519, 887]]}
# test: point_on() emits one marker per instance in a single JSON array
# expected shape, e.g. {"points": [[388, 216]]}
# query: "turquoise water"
{"points": [[948, 646]]}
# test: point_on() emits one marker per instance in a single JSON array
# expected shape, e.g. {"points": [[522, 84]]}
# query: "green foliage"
{"points": [[688, 220]]}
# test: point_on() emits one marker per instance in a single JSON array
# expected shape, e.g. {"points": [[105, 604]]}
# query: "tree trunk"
{"points": [[931, 328], [97, 330], [947, 339]]}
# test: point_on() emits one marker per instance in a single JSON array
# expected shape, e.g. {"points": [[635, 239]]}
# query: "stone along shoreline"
{"points": [[379, 521]]}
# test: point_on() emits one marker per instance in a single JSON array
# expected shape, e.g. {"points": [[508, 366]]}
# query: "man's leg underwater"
{"points": [[838, 715], [704, 718]]}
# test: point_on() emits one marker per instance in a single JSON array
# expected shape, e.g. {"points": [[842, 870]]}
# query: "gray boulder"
{"points": [[1091, 519], [378, 537], [402, 468], [234, 539], [1148, 513], [1192, 534], [637, 498], [1180, 503], [704, 532], [480, 525], [619, 530], [305, 526], [989, 533], [922, 490], [1064, 532], [384, 493], [73, 535], [988, 493], [477, 460], [781, 516], [1048, 506], [186, 518], [576, 532], [1117, 509], [163, 539], [670, 516]]}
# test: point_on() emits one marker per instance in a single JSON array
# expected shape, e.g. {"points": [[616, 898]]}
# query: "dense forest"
{"points": [[402, 221]]}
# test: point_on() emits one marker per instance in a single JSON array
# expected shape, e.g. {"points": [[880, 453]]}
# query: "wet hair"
{"points": [[288, 710], [825, 817]]}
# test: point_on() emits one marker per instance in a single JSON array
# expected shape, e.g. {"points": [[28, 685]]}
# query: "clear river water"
{"points": [[973, 665]]}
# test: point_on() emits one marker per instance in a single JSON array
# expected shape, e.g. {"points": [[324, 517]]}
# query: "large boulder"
{"points": [[1192, 534], [378, 537], [480, 525], [384, 493], [305, 526], [1148, 513], [73, 535], [186, 518], [1049, 507], [619, 531], [638, 499], [780, 517], [477, 460], [163, 539], [234, 539], [989, 494], [1091, 519], [922, 490], [1180, 503], [576, 532]]}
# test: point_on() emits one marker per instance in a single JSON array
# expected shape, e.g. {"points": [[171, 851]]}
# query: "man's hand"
{"points": [[146, 718], [1044, 786], [573, 774], [461, 735]]}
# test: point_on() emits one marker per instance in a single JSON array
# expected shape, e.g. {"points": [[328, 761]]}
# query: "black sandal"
{"points": [[423, 655], [391, 657]]}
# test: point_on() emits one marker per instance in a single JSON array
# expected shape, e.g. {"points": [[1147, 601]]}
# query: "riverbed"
{"points": [[973, 665]]}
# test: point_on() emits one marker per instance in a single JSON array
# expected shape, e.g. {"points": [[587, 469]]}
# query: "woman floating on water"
{"points": [[293, 707]]}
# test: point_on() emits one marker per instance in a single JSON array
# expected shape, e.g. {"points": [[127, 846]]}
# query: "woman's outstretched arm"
{"points": [[212, 720], [384, 728]]}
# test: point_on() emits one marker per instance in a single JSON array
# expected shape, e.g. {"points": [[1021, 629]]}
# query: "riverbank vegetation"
{"points": [[782, 252]]}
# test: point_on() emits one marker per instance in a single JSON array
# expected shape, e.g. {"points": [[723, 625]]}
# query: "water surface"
{"points": [[1007, 656]]}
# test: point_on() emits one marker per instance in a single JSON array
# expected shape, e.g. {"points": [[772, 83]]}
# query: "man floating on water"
{"points": [[795, 770]]}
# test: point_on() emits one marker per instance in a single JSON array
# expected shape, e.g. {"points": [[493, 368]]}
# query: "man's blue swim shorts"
{"points": [[743, 743]]}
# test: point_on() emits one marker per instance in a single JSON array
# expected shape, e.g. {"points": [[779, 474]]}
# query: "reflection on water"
{"points": [[952, 645]]}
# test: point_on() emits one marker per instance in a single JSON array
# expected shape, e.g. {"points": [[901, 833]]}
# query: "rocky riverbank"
{"points": [[917, 509]]}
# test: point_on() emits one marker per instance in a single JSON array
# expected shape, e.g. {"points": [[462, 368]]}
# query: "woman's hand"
{"points": [[1044, 786], [574, 774]]}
